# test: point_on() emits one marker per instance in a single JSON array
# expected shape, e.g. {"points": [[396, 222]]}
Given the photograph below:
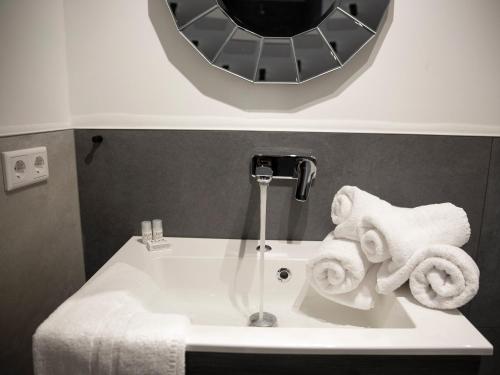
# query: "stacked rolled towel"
{"points": [[365, 296], [419, 244], [395, 233], [338, 273], [441, 277], [349, 206]]}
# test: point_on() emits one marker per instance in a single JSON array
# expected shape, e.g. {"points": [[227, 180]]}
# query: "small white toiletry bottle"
{"points": [[147, 233], [157, 229]]}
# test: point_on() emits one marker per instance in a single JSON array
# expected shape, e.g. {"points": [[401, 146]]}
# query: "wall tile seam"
{"points": [[79, 183], [212, 123], [7, 131], [78, 202], [123, 121], [477, 255]]}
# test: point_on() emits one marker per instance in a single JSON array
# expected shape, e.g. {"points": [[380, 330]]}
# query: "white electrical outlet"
{"points": [[25, 167]]}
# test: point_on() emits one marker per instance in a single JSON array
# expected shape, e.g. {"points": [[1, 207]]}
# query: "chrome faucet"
{"points": [[301, 168]]}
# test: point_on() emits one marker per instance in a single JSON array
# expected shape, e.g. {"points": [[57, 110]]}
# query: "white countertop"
{"points": [[433, 332]]}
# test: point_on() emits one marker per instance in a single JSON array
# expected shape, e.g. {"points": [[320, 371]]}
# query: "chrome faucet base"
{"points": [[268, 320], [290, 167]]}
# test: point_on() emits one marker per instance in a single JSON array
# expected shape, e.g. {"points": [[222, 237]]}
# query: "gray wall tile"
{"points": [[40, 247], [199, 183], [484, 310]]}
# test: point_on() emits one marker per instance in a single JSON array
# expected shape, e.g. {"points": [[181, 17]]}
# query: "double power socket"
{"points": [[25, 167]]}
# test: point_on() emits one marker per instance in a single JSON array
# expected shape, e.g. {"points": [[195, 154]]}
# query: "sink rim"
{"points": [[436, 332]]}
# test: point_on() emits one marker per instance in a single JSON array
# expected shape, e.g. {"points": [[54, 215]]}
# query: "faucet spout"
{"points": [[306, 172], [264, 175]]}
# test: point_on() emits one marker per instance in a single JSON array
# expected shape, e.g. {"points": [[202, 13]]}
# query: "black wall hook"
{"points": [[97, 139], [96, 142]]}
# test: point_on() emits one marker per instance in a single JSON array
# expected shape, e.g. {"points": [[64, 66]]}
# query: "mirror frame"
{"points": [[335, 63]]}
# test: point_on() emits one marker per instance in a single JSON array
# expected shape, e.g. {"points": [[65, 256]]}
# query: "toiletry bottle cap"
{"points": [[146, 226], [157, 224]]}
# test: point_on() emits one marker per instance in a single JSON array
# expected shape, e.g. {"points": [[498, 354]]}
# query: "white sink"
{"points": [[214, 282]]}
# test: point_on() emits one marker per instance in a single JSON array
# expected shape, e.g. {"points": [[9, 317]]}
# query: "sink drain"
{"points": [[284, 275]]}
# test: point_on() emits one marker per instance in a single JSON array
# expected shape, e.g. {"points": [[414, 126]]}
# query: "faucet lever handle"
{"points": [[306, 172]]}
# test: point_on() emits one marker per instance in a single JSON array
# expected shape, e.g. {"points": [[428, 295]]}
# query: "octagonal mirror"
{"points": [[278, 41]]}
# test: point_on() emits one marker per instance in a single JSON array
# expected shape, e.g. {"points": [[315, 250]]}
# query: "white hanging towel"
{"points": [[107, 328]]}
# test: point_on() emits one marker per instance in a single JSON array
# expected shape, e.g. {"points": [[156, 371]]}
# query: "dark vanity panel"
{"points": [[490, 365], [241, 54], [313, 55], [277, 63], [199, 182], [185, 11], [209, 33], [344, 35], [201, 363], [367, 11]]}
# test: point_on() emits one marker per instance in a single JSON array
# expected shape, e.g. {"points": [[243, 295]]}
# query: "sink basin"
{"points": [[214, 282]]}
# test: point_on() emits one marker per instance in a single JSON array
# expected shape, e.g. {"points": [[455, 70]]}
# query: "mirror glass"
{"points": [[187, 10], [313, 55], [208, 33], [277, 18], [369, 12], [240, 54], [344, 35], [278, 41], [276, 63]]}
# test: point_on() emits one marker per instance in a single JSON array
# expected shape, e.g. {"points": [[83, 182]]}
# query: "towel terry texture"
{"points": [[349, 206], [364, 297], [441, 277], [112, 332], [419, 244], [339, 267], [396, 233]]}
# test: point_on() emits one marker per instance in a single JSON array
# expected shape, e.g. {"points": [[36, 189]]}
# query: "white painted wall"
{"points": [[434, 69], [33, 74]]}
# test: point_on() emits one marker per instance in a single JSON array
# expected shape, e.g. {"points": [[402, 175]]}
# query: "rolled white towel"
{"points": [[364, 297], [339, 267], [441, 277], [349, 205], [396, 233]]}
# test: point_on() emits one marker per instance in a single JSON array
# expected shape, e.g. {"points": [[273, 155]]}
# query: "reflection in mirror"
{"points": [[344, 35], [278, 18], [210, 32], [367, 11], [240, 54], [277, 63], [313, 55], [186, 10]]}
